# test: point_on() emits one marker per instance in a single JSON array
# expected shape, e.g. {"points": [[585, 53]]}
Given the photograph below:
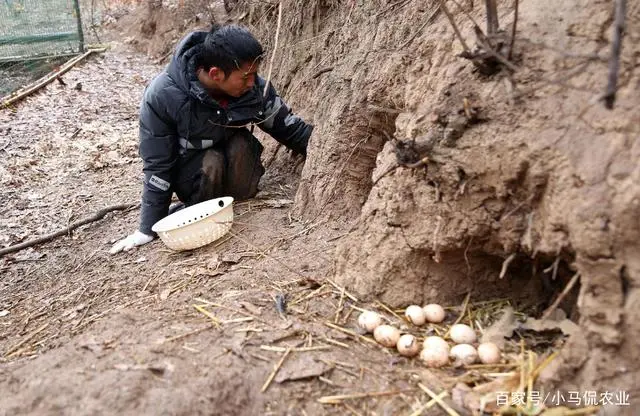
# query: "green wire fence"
{"points": [[36, 36]]}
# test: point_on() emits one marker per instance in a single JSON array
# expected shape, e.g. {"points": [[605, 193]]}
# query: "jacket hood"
{"points": [[182, 68]]}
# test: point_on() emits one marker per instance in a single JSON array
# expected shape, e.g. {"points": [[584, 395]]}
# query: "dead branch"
{"points": [[492, 17], [505, 264], [30, 89], [513, 31], [275, 47], [616, 47], [97, 216], [443, 7], [564, 293], [484, 42]]}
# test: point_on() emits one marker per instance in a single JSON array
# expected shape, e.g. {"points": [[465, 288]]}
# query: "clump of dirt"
{"points": [[454, 181]]}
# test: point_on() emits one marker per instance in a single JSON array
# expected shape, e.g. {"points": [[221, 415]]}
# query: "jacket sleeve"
{"points": [[284, 126], [158, 149]]}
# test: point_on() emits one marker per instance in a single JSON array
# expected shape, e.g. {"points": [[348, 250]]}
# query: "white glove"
{"points": [[134, 240]]}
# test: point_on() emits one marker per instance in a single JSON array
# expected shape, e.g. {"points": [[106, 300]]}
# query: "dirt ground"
{"points": [[91, 333], [530, 185]]}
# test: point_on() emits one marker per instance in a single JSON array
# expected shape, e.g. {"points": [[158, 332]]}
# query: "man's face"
{"points": [[238, 82]]}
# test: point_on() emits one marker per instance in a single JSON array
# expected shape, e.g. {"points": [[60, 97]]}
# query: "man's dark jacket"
{"points": [[178, 115]]}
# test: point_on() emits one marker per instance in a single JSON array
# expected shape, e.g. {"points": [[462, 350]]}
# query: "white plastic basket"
{"points": [[197, 225]]}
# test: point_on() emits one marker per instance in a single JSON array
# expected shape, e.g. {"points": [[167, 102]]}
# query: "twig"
{"points": [[564, 293], [347, 294], [27, 339], [10, 99], [466, 259], [276, 368], [492, 17], [616, 47], [455, 27], [505, 264], [482, 40], [429, 404], [340, 307], [188, 334], [352, 333], [295, 349], [513, 31], [439, 400], [340, 397], [388, 309], [275, 47], [97, 216], [208, 314]]}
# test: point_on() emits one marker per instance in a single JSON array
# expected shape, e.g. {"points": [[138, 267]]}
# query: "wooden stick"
{"points": [[208, 314], [616, 47], [505, 264], [564, 293], [347, 294], [429, 404], [275, 369], [188, 334], [388, 309], [439, 400], [347, 331], [337, 399], [455, 27], [513, 31], [492, 17], [298, 349], [7, 101], [273, 53], [27, 339], [97, 216]]}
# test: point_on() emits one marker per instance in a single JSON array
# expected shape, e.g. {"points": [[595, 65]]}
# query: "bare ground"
{"points": [[90, 333]]}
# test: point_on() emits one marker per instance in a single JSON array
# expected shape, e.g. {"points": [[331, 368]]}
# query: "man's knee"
{"points": [[212, 176]]}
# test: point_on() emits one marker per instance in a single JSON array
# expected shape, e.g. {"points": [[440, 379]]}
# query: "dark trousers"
{"points": [[232, 168]]}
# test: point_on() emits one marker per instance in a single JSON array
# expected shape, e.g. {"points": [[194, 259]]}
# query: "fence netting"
{"points": [[35, 37]]}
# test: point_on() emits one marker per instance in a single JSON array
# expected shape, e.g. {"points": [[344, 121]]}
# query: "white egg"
{"points": [[464, 354], [489, 353], [408, 345], [435, 357], [435, 343], [434, 313], [415, 314], [369, 320], [386, 335], [462, 334]]}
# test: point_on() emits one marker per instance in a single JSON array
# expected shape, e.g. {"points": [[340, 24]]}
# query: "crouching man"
{"points": [[194, 116]]}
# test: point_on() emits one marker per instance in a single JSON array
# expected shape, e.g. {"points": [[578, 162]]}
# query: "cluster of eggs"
{"points": [[435, 350]]}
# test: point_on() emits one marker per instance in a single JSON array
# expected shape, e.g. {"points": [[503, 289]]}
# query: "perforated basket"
{"points": [[197, 225]]}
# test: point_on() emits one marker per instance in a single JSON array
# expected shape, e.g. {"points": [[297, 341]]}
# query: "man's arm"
{"points": [[284, 126], [158, 149]]}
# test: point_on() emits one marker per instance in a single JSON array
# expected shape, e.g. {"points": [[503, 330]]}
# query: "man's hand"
{"points": [[134, 240]]}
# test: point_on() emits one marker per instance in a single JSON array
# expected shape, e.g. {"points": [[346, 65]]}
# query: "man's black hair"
{"points": [[228, 48]]}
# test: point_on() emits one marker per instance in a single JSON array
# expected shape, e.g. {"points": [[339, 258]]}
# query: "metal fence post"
{"points": [[76, 7]]}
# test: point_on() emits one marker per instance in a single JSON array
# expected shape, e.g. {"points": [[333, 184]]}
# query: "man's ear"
{"points": [[216, 74]]}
